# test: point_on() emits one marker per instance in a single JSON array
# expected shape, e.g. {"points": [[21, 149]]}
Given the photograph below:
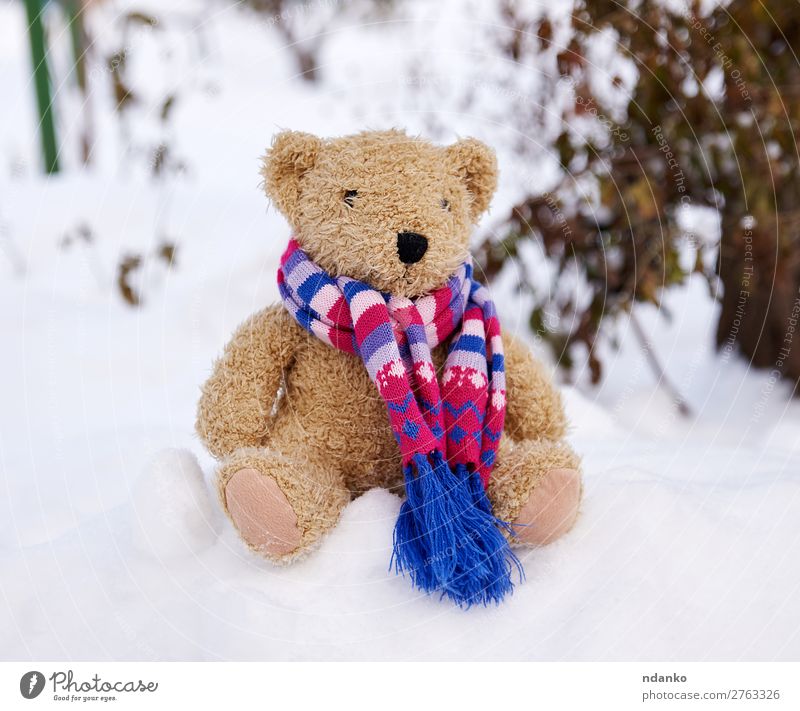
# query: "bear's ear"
{"points": [[476, 165], [291, 155]]}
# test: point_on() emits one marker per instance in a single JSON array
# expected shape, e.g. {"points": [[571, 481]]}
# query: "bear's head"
{"points": [[381, 207]]}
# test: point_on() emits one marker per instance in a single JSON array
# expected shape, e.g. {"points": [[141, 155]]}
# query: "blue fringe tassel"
{"points": [[446, 537]]}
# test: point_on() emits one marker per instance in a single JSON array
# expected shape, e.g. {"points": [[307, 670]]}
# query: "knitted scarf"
{"points": [[446, 537]]}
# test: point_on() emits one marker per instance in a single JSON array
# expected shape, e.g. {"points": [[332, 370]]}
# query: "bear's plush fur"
{"points": [[297, 425]]}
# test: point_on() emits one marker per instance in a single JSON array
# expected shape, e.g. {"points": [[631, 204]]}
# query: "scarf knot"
{"points": [[448, 432]]}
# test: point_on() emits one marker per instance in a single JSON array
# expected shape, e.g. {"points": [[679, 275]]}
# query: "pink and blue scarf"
{"points": [[446, 537]]}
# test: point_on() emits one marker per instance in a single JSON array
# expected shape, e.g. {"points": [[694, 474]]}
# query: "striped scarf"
{"points": [[446, 536]]}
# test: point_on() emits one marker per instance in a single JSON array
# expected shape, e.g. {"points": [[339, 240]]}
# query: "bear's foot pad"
{"points": [[262, 513], [551, 509]]}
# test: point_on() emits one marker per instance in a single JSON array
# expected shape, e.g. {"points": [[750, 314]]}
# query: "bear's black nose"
{"points": [[411, 247]]}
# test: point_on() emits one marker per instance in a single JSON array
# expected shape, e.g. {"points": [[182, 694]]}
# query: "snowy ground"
{"points": [[111, 546]]}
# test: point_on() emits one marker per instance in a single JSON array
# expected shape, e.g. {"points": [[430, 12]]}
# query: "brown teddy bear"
{"points": [[301, 427]]}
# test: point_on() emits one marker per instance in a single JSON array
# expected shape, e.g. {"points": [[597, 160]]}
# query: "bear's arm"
{"points": [[534, 409], [235, 408]]}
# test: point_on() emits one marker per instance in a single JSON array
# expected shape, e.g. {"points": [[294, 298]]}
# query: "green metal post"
{"points": [[41, 77]]}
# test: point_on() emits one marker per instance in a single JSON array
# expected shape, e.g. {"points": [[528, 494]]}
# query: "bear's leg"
{"points": [[536, 487], [280, 505]]}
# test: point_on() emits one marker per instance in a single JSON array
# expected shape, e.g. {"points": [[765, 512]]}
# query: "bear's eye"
{"points": [[445, 204], [349, 197]]}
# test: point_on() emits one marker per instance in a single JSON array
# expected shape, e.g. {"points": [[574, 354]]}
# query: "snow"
{"points": [[659, 567], [112, 543]]}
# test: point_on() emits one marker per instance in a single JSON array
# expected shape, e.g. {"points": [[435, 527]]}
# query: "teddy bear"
{"points": [[304, 411]]}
